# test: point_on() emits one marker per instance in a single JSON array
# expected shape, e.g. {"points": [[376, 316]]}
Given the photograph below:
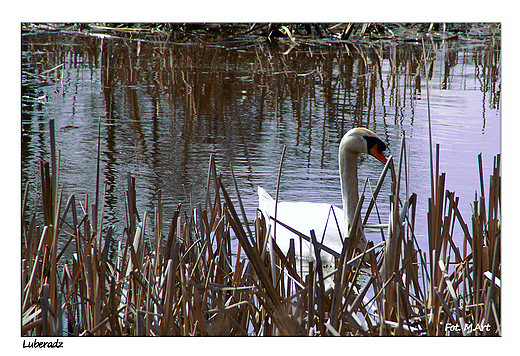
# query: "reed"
{"points": [[210, 273]]}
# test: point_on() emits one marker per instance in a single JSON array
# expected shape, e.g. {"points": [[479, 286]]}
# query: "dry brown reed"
{"points": [[197, 279]]}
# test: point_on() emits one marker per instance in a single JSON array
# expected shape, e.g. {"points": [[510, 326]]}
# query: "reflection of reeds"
{"points": [[196, 95], [199, 280]]}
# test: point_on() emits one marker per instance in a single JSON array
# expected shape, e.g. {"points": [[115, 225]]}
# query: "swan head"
{"points": [[361, 140]]}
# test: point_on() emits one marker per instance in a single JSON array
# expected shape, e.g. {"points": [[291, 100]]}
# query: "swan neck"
{"points": [[349, 184]]}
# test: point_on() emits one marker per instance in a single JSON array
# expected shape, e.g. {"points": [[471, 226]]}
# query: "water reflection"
{"points": [[164, 108]]}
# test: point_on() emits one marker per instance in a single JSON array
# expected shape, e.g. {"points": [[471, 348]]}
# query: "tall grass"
{"points": [[211, 272]]}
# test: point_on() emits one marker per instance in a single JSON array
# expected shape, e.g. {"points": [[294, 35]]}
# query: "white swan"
{"points": [[304, 216]]}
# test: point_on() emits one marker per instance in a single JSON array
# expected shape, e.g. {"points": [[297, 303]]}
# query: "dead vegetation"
{"points": [[298, 33], [209, 271]]}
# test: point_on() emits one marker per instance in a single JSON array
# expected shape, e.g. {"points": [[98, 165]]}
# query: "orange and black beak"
{"points": [[376, 147], [377, 153]]}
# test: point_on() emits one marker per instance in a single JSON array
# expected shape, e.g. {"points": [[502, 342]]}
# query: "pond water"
{"points": [[164, 108]]}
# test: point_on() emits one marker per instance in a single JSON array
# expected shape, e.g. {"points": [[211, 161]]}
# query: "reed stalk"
{"points": [[187, 279]]}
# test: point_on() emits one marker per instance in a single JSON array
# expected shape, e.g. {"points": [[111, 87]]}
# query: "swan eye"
{"points": [[375, 141], [376, 147]]}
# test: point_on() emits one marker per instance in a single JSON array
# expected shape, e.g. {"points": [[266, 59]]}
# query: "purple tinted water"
{"points": [[165, 108]]}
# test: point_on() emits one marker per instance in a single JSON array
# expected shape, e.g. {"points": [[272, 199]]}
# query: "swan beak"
{"points": [[379, 155]]}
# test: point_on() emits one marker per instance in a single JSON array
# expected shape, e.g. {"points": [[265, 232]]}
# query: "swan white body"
{"points": [[304, 216]]}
